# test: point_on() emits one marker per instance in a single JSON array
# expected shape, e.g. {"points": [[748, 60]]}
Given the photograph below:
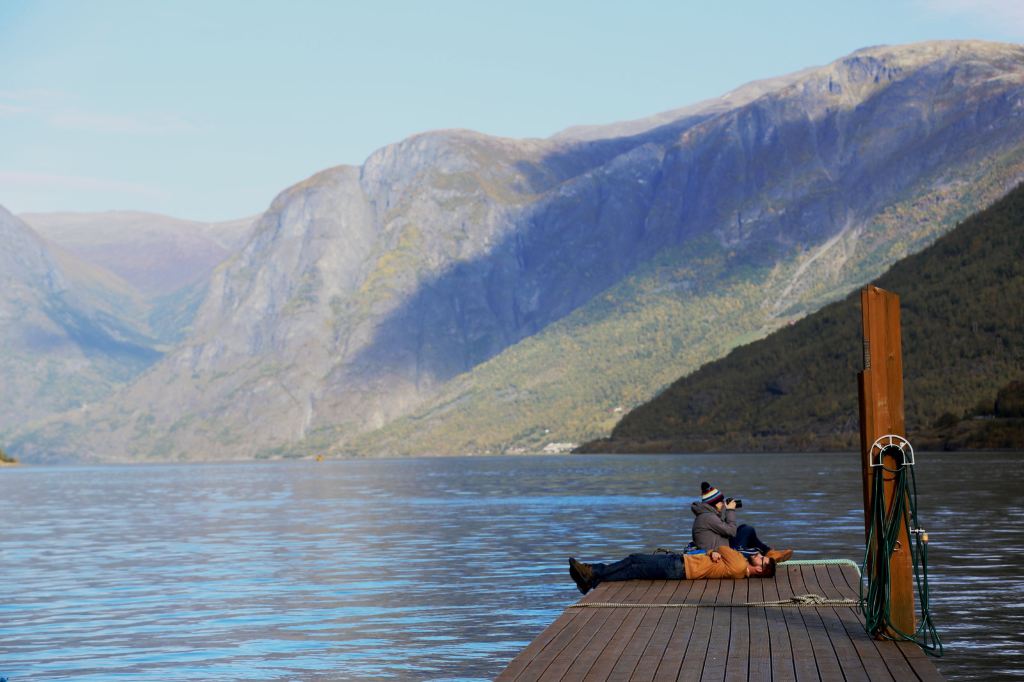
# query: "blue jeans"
{"points": [[746, 540], [641, 567]]}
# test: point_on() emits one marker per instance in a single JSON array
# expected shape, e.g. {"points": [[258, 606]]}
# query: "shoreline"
{"points": [[635, 453]]}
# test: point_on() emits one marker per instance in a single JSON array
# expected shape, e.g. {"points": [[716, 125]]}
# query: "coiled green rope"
{"points": [[875, 591]]}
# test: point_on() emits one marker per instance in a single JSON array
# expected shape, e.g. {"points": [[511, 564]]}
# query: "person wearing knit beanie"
{"points": [[715, 526], [709, 494]]}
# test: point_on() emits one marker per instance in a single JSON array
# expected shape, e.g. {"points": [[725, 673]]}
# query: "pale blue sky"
{"points": [[207, 110]]}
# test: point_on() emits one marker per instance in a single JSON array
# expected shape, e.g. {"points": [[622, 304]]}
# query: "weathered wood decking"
{"points": [[764, 643]]}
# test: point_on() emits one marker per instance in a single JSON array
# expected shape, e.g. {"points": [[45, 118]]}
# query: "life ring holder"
{"points": [[886, 445]]}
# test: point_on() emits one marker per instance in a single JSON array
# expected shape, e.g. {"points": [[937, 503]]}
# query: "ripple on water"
{"points": [[430, 568]]}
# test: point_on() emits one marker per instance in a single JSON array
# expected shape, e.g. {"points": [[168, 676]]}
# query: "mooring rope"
{"points": [[826, 562], [798, 600]]}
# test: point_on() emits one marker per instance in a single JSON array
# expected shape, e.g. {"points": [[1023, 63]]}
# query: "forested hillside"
{"points": [[962, 305]]}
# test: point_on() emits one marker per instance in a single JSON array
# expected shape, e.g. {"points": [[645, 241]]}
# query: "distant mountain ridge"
{"points": [[734, 98], [963, 341], [68, 332], [156, 254], [461, 293], [94, 300]]}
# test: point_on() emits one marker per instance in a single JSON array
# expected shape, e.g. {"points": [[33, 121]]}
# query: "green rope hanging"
{"points": [[875, 595]]}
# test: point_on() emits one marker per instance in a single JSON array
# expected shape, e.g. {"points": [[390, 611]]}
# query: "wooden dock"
{"points": [[718, 642]]}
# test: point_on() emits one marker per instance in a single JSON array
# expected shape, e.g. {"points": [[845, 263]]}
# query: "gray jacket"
{"points": [[712, 530]]}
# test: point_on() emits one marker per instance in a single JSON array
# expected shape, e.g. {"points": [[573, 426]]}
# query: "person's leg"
{"points": [[746, 538], [641, 567]]}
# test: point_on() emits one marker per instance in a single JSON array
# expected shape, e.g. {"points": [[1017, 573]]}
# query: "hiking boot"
{"points": [[780, 555], [581, 574]]}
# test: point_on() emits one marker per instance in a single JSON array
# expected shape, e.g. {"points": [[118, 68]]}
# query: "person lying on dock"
{"points": [[720, 563], [715, 525]]}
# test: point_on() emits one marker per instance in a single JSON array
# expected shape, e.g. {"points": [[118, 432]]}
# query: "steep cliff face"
{"points": [[66, 329], [464, 285], [743, 222]]}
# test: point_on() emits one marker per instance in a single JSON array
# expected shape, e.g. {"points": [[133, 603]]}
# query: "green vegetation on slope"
{"points": [[987, 426], [963, 339], [608, 355]]}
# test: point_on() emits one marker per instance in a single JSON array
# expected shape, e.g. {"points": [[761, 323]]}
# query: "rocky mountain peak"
{"points": [[493, 289], [24, 258]]}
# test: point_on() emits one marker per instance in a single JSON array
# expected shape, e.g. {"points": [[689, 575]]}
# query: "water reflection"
{"points": [[431, 568]]}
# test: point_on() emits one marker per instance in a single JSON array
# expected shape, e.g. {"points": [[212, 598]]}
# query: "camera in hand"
{"points": [[739, 503]]}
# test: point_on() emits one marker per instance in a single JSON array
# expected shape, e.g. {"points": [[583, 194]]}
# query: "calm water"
{"points": [[432, 568]]}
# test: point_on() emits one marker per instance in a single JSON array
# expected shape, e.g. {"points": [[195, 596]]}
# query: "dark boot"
{"points": [[581, 574]]}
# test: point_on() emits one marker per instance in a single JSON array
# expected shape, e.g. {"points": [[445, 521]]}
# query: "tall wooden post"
{"points": [[881, 413]]}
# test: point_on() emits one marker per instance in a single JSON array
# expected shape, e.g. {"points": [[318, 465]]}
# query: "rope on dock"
{"points": [[798, 600], [823, 562]]}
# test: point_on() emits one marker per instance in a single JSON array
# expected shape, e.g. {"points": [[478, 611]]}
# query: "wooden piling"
{"points": [[880, 387]]}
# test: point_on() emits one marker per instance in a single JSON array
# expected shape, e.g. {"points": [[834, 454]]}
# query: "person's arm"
{"points": [[724, 525], [736, 563]]}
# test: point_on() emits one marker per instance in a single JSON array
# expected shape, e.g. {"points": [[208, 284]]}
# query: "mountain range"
{"points": [[459, 293], [963, 359], [70, 331], [158, 255], [90, 300]]}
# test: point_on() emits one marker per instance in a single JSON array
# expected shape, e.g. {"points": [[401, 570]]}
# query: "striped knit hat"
{"points": [[710, 495]]}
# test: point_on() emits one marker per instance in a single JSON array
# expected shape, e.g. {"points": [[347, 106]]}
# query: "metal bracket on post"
{"points": [[886, 445]]}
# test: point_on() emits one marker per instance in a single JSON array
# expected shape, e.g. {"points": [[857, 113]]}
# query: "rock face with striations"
{"points": [[461, 293]]}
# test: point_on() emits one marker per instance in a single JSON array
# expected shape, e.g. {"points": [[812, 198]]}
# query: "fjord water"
{"points": [[433, 568]]}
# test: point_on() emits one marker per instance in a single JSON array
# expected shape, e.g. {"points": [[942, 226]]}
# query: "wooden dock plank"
{"points": [[628, 623], [721, 640], [585, 656], [592, 643], [738, 662], [630, 656], [919, 661], [817, 581], [887, 651], [675, 651], [778, 634], [527, 655], [824, 654], [800, 640], [718, 644], [656, 650], [558, 667], [870, 658], [895, 661], [759, 664], [697, 648], [558, 634]]}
